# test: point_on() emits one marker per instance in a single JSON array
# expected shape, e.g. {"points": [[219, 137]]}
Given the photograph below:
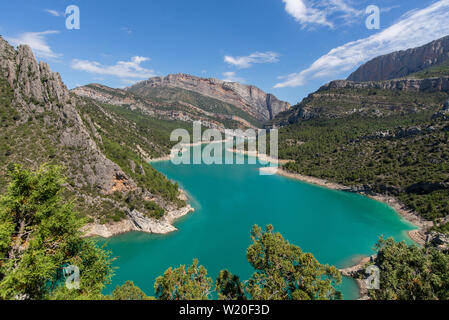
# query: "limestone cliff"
{"points": [[402, 63], [250, 99]]}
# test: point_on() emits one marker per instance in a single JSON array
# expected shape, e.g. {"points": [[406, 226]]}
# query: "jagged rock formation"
{"points": [[250, 99], [402, 63], [107, 174], [37, 90]]}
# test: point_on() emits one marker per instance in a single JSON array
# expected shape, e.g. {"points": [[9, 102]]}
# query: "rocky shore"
{"points": [[136, 221], [357, 270]]}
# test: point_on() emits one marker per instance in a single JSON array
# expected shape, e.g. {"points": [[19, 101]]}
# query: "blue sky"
{"points": [[287, 47]]}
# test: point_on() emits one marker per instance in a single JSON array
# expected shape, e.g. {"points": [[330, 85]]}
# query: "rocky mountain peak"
{"points": [[403, 63], [31, 79]]}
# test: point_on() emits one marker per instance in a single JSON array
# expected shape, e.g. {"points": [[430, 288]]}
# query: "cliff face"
{"points": [[107, 175], [38, 91], [402, 63], [250, 99]]}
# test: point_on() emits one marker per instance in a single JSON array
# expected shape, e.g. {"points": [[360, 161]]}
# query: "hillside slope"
{"points": [[173, 104], [403, 63], [249, 99], [104, 156]]}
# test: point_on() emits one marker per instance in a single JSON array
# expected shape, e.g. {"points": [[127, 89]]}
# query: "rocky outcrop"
{"points": [[136, 221], [402, 63], [250, 99], [438, 240]]}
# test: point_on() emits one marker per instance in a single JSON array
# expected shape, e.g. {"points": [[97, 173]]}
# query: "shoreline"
{"points": [[411, 217], [136, 221], [416, 235], [355, 270], [261, 157], [170, 156]]}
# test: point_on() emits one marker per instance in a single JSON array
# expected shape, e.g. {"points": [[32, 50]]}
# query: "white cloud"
{"points": [[305, 15], [321, 12], [232, 77], [53, 12], [38, 42], [413, 29], [122, 69], [248, 61]]}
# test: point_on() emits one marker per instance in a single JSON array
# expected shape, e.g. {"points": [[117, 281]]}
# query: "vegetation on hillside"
{"points": [[440, 70], [34, 136], [170, 97], [387, 154]]}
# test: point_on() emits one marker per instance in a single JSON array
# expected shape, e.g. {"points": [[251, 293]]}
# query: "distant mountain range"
{"points": [[218, 104]]}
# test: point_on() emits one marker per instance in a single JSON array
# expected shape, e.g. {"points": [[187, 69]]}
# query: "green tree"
{"points": [[184, 284], [284, 272], [39, 235], [229, 287], [129, 291], [411, 272]]}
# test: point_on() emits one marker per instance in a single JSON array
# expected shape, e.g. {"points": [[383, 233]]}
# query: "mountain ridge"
{"points": [[263, 106], [403, 63], [172, 104]]}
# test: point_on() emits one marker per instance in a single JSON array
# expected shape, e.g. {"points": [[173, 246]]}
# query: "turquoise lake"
{"points": [[337, 227]]}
